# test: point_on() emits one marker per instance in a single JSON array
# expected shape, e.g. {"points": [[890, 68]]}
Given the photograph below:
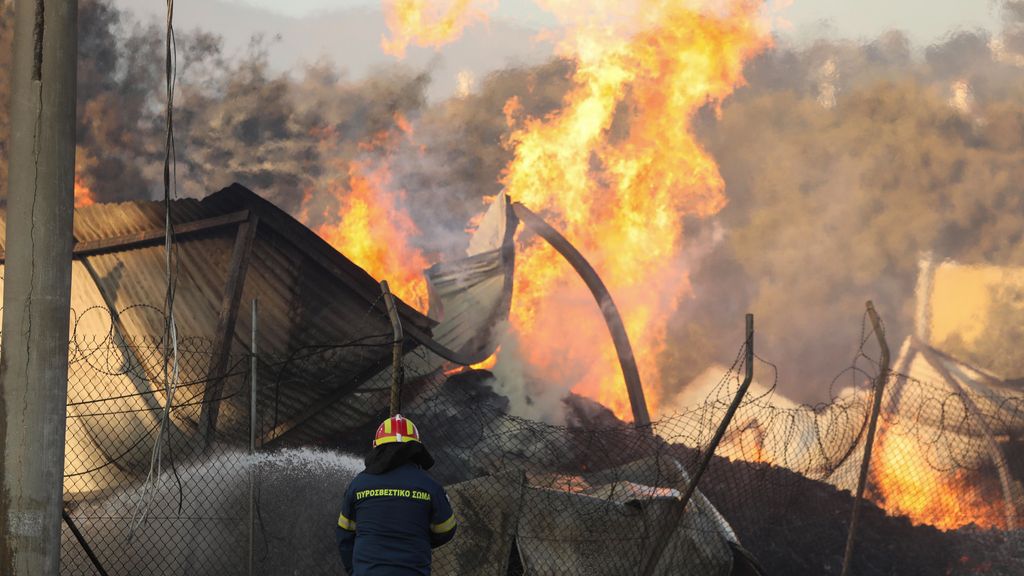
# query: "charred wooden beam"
{"points": [[397, 371], [630, 372], [226, 320]]}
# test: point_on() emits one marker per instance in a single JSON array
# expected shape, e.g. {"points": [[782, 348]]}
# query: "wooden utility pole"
{"points": [[37, 286]]}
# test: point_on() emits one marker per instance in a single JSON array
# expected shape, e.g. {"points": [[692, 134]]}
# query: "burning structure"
{"points": [[951, 425], [596, 159], [597, 495], [135, 399], [966, 317]]}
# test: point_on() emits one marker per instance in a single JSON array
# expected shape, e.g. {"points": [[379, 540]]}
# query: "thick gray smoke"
{"points": [[842, 161]]}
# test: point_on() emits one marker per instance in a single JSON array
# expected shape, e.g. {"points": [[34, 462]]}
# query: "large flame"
{"points": [[373, 231], [370, 225], [907, 484], [616, 170], [414, 22]]}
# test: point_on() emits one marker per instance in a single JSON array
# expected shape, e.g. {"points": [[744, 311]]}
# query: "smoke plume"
{"points": [[842, 161]]}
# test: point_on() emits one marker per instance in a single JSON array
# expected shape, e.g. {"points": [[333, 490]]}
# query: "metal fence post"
{"points": [[254, 359], [398, 373], [658, 549], [876, 405]]}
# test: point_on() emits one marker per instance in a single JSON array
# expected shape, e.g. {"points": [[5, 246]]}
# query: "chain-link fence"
{"points": [[149, 493]]}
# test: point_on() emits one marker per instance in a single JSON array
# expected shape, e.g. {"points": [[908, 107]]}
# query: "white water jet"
{"points": [[298, 495]]}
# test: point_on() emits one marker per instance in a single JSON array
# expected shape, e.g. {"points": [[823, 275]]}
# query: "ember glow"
{"points": [[616, 170], [908, 484], [83, 195], [424, 23], [488, 362]]}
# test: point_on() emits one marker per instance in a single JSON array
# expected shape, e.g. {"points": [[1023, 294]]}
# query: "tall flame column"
{"points": [[37, 286]]}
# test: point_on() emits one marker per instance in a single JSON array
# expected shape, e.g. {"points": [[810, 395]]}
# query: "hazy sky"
{"points": [[348, 32], [924, 20]]}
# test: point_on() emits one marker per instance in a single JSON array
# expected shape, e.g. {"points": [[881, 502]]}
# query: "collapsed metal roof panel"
{"points": [[204, 254], [310, 295]]}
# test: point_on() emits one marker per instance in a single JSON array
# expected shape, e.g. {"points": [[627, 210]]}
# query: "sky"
{"points": [[924, 20], [348, 32]]}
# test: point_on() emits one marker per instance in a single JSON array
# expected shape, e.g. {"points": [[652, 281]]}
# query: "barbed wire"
{"points": [[556, 496]]}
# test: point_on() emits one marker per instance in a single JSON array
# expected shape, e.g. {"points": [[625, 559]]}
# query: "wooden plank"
{"points": [[154, 236], [226, 320]]}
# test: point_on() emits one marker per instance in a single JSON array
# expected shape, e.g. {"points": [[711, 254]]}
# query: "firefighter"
{"points": [[394, 513]]}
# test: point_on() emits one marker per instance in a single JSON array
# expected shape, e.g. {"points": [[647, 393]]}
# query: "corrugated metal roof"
{"points": [[310, 296]]}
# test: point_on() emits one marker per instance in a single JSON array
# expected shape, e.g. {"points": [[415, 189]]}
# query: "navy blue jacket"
{"points": [[389, 522]]}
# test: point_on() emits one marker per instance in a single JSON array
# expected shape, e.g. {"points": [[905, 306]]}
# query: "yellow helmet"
{"points": [[396, 429]]}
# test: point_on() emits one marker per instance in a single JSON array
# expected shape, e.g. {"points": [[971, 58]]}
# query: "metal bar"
{"points": [[37, 290], [226, 321], [397, 370], [661, 541], [630, 371], [154, 236], [748, 377], [994, 452], [144, 383], [81, 541], [876, 408], [253, 350]]}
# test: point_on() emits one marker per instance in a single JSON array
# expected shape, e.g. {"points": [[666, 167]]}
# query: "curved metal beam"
{"points": [[630, 372]]}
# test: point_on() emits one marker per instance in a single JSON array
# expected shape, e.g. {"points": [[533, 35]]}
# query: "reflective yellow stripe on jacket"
{"points": [[346, 524], [443, 526]]}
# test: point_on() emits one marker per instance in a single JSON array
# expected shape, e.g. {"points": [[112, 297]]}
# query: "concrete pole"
{"points": [[37, 286]]}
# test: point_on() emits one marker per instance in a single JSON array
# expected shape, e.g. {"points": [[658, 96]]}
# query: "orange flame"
{"points": [[616, 170], [413, 22], [489, 362], [908, 484], [373, 231], [370, 225], [83, 194]]}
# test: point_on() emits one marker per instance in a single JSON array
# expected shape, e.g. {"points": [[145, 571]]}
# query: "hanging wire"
{"points": [[170, 364]]}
